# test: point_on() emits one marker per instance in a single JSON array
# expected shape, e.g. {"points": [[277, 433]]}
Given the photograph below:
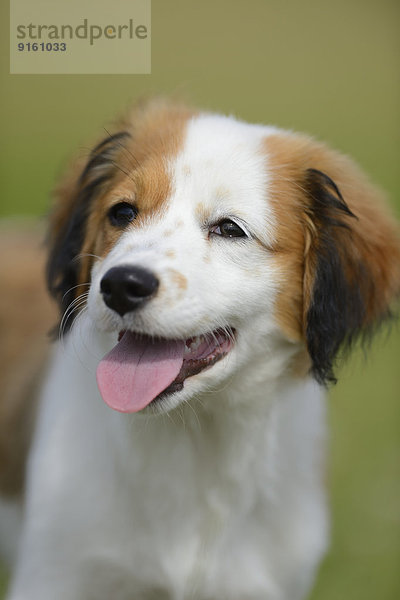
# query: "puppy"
{"points": [[208, 273]]}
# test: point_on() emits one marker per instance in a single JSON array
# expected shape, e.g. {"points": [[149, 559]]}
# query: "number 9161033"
{"points": [[42, 47]]}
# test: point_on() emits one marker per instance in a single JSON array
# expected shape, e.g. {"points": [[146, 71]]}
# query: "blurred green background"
{"points": [[329, 68]]}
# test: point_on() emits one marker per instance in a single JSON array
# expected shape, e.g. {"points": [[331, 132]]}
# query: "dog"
{"points": [[209, 273]]}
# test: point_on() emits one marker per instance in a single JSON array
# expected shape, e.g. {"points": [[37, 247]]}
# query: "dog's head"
{"points": [[206, 244]]}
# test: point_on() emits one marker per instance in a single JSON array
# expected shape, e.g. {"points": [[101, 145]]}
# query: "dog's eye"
{"points": [[121, 214], [228, 229]]}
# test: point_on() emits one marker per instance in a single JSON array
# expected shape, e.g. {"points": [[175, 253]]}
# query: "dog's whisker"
{"points": [[74, 287], [82, 342], [193, 410], [76, 301], [117, 166], [71, 308], [86, 255], [71, 314], [126, 150]]}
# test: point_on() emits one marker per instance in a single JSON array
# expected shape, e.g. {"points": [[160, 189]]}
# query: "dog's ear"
{"points": [[337, 248], [67, 270], [352, 259]]}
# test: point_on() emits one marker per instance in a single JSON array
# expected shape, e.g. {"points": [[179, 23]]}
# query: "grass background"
{"points": [[331, 69]]}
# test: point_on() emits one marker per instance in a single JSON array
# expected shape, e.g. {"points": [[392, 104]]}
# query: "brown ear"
{"points": [[349, 243], [66, 268], [352, 268]]}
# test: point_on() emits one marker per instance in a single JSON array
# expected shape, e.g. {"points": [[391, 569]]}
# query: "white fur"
{"points": [[219, 496]]}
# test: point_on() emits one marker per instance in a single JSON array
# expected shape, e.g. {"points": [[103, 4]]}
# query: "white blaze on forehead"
{"points": [[222, 168]]}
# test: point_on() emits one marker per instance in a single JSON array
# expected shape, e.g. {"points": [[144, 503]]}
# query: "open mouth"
{"points": [[140, 369]]}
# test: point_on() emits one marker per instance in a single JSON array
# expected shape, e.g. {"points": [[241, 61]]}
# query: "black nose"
{"points": [[126, 288]]}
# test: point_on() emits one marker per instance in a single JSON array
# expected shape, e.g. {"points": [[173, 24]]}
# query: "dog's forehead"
{"points": [[221, 169]]}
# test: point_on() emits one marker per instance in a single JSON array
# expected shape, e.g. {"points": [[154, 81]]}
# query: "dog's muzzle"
{"points": [[126, 288]]}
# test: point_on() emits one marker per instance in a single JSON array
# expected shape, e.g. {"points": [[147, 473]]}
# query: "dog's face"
{"points": [[207, 243]]}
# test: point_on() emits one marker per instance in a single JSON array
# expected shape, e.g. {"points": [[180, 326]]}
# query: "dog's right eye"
{"points": [[122, 214]]}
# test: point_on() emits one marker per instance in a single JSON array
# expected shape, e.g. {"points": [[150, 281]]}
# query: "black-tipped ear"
{"points": [[342, 248], [69, 220], [337, 307]]}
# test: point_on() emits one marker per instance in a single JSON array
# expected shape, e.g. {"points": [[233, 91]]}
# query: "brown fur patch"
{"points": [[179, 280], [136, 172], [201, 212], [374, 240], [157, 133], [301, 364], [26, 315]]}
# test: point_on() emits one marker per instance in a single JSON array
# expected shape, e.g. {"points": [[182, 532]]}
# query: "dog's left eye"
{"points": [[121, 214], [228, 229]]}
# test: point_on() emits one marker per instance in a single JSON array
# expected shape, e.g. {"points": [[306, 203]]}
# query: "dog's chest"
{"points": [[179, 520], [181, 541]]}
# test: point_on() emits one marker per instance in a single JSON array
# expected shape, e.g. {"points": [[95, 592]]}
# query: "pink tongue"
{"points": [[137, 369]]}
